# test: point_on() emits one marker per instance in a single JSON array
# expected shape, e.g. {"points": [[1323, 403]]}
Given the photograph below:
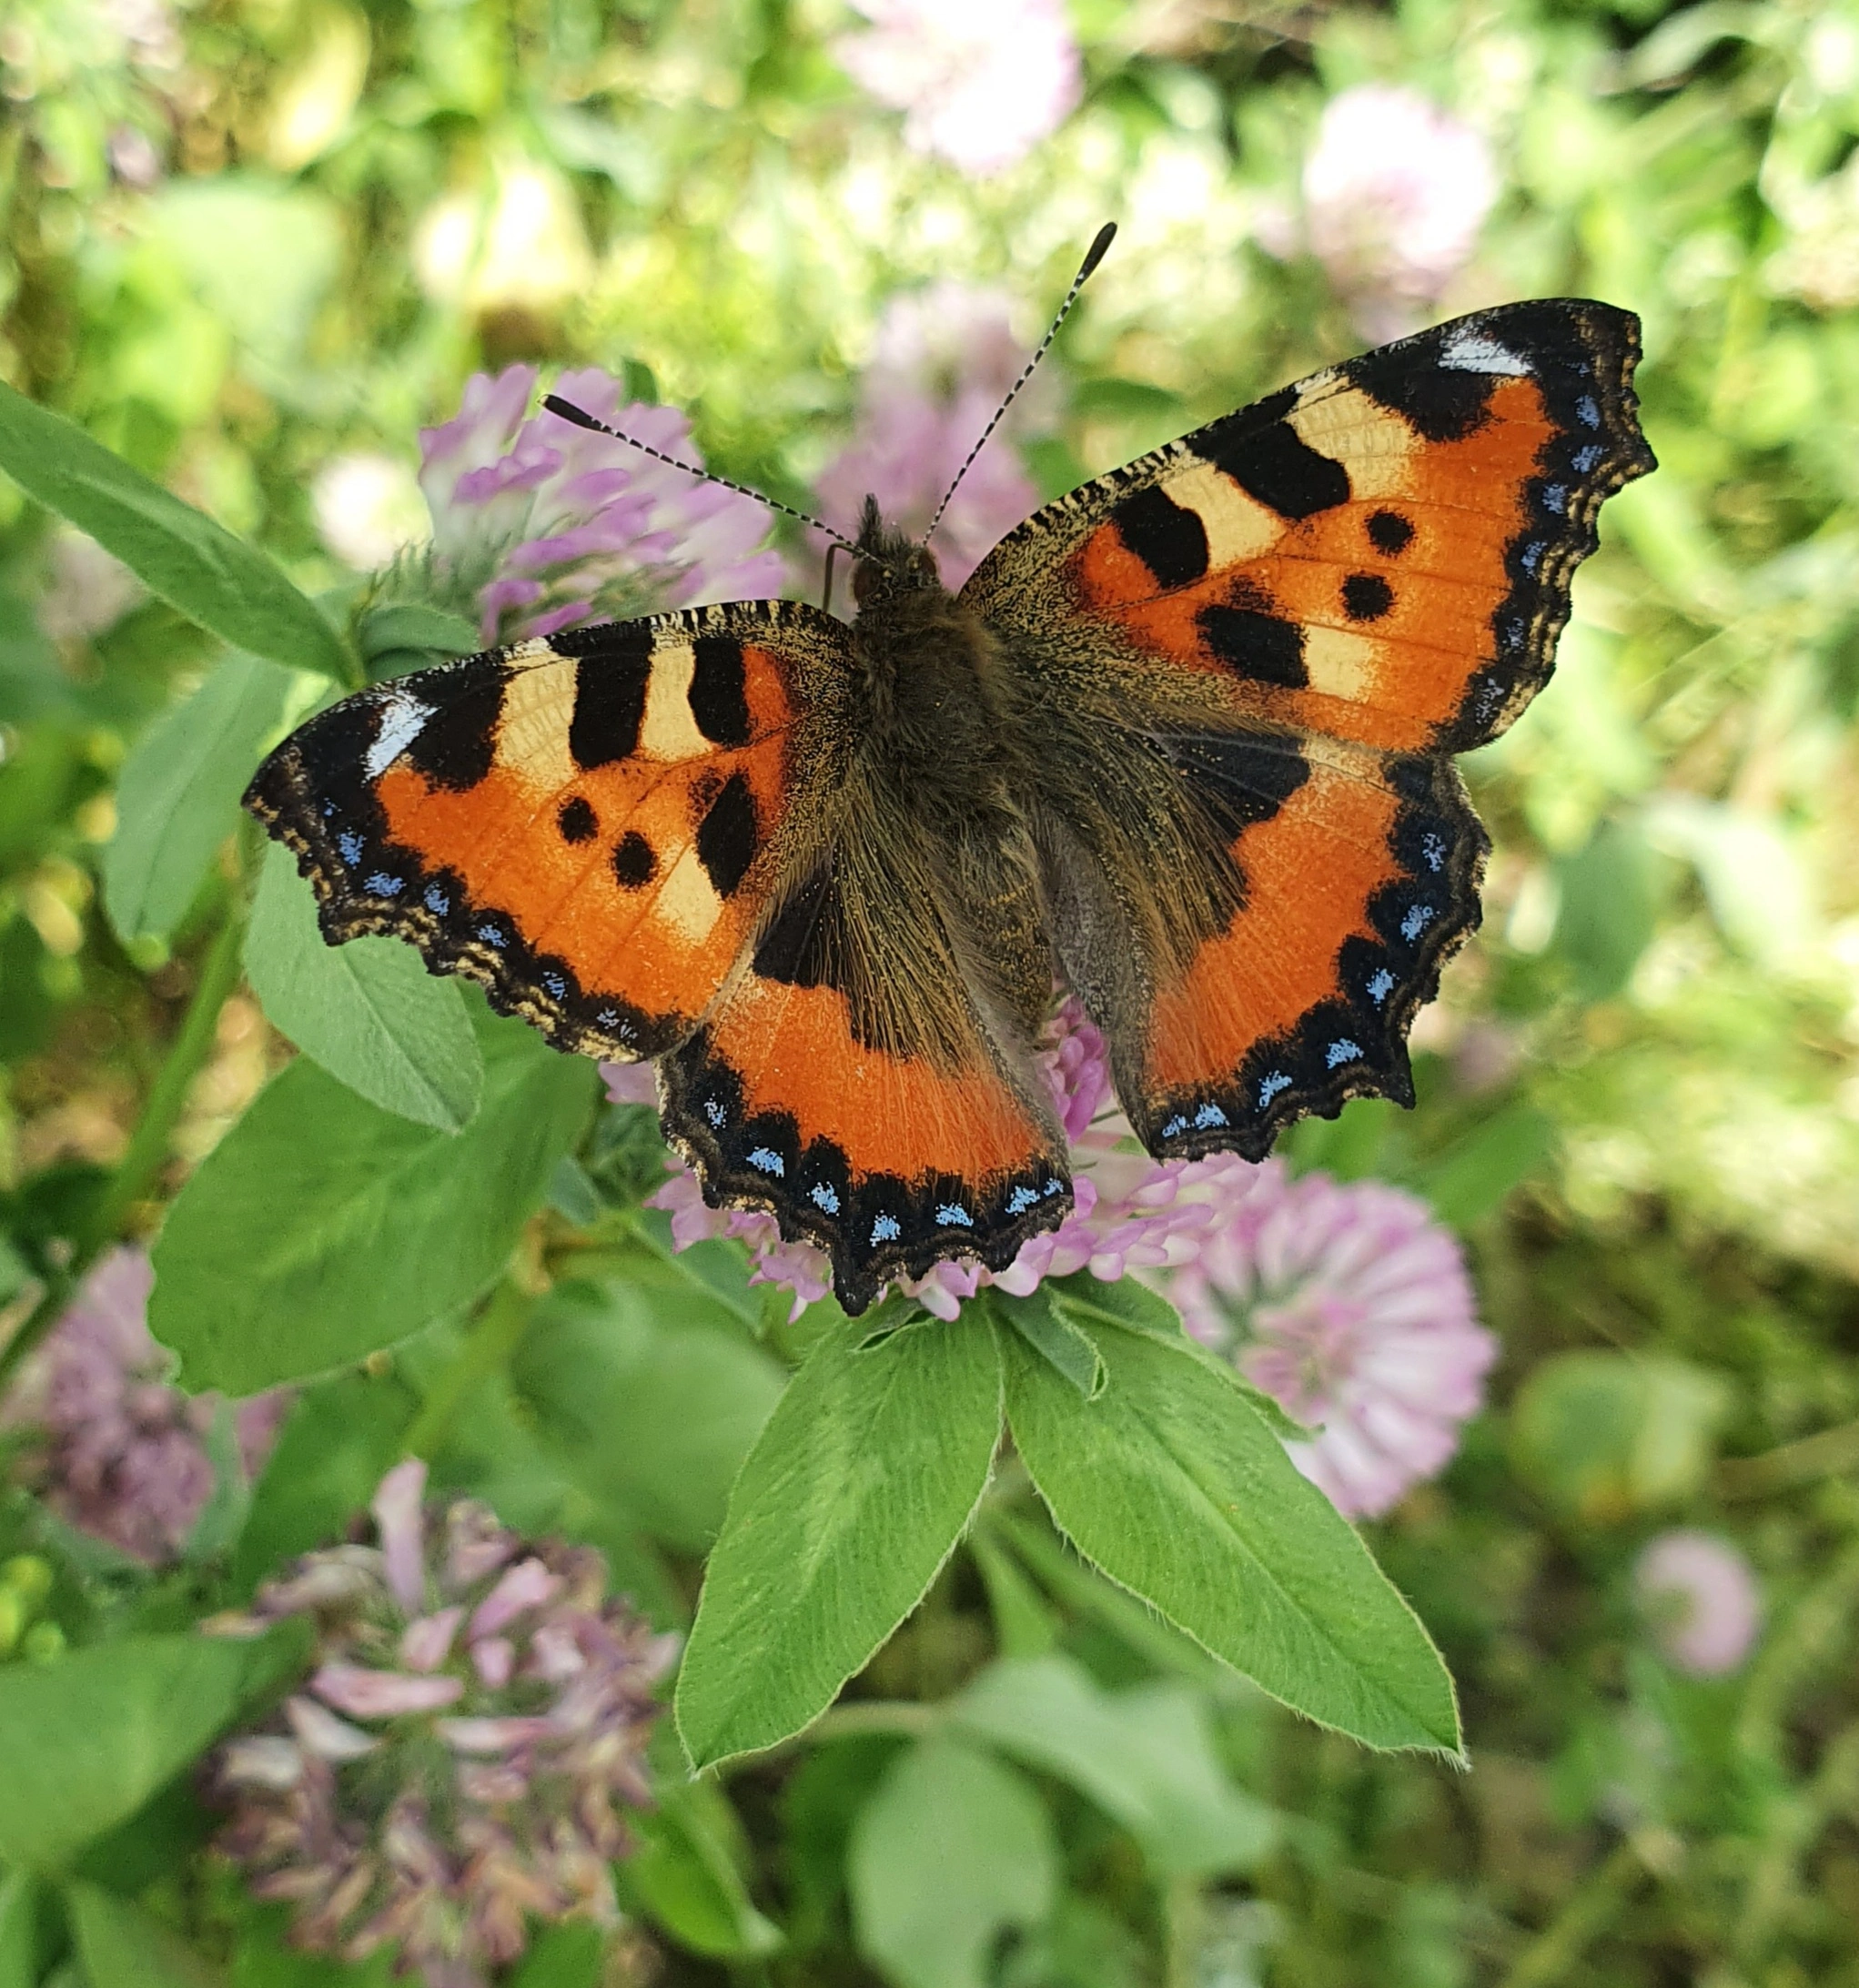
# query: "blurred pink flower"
{"points": [[943, 361], [477, 1715], [1351, 1306], [1700, 1598], [121, 1454], [981, 82], [550, 523], [1130, 1212], [1395, 192]]}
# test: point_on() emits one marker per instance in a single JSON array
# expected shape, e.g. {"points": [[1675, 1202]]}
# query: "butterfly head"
{"points": [[889, 562]]}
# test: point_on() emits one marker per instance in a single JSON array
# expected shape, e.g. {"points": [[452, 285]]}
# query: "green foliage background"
{"points": [[1640, 1090]]}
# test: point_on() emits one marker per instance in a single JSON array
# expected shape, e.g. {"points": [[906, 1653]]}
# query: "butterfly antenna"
{"points": [[1093, 257], [568, 411]]}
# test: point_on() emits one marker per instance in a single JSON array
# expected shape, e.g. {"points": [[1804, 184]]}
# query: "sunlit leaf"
{"points": [[1173, 1485], [847, 1506]]}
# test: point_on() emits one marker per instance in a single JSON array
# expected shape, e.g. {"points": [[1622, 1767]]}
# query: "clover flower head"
{"points": [[459, 1759], [980, 82], [119, 1453], [1395, 192], [942, 362], [545, 523], [1351, 1307], [1129, 1212], [1700, 1597]]}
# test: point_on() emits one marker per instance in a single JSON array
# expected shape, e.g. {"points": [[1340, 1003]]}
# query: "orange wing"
{"points": [[589, 825], [1382, 553], [1285, 621], [849, 1082]]}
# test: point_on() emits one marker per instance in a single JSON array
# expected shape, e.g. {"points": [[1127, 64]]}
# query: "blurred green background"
{"points": [[255, 245]]}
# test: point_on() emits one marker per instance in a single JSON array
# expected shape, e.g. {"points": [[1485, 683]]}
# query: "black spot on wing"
{"points": [[455, 747], [1440, 403], [577, 821], [1169, 538], [729, 835], [610, 698], [1273, 463], [719, 702], [1239, 778], [1365, 597], [1390, 532], [799, 949], [635, 861], [1260, 647]]}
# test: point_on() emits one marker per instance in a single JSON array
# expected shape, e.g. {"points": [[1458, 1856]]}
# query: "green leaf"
{"points": [[179, 553], [177, 798], [683, 1875], [118, 1941], [88, 1739], [19, 1933], [1023, 1624], [1609, 909], [1147, 1757], [368, 1012], [410, 624], [321, 1227], [1086, 1301], [1176, 1487], [953, 1849], [846, 1507], [1046, 1328], [646, 1409], [571, 1955], [1475, 1173]]}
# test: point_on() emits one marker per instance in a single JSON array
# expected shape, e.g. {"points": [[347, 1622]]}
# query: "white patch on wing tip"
{"points": [[403, 719], [1467, 352]]}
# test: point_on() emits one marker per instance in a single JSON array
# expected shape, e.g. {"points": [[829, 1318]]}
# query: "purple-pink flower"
{"points": [[1700, 1597], [459, 1759], [114, 1449], [980, 82], [545, 523], [943, 361], [1395, 192], [1351, 1307]]}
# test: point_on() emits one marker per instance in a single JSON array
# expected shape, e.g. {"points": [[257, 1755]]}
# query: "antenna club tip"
{"points": [[568, 411], [1098, 250]]}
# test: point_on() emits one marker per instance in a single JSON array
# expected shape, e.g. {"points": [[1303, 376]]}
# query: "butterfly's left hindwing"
{"points": [[1249, 656]]}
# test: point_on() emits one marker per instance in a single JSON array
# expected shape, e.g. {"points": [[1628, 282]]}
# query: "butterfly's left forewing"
{"points": [[1251, 655], [588, 824]]}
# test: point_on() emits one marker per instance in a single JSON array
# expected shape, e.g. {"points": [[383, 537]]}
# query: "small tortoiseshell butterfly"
{"points": [[1183, 740]]}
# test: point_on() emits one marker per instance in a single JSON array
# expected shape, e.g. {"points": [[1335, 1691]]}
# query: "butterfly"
{"points": [[1182, 743]]}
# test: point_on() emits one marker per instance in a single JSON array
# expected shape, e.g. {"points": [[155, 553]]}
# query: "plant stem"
{"points": [[500, 1331], [147, 1153], [141, 1164]]}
